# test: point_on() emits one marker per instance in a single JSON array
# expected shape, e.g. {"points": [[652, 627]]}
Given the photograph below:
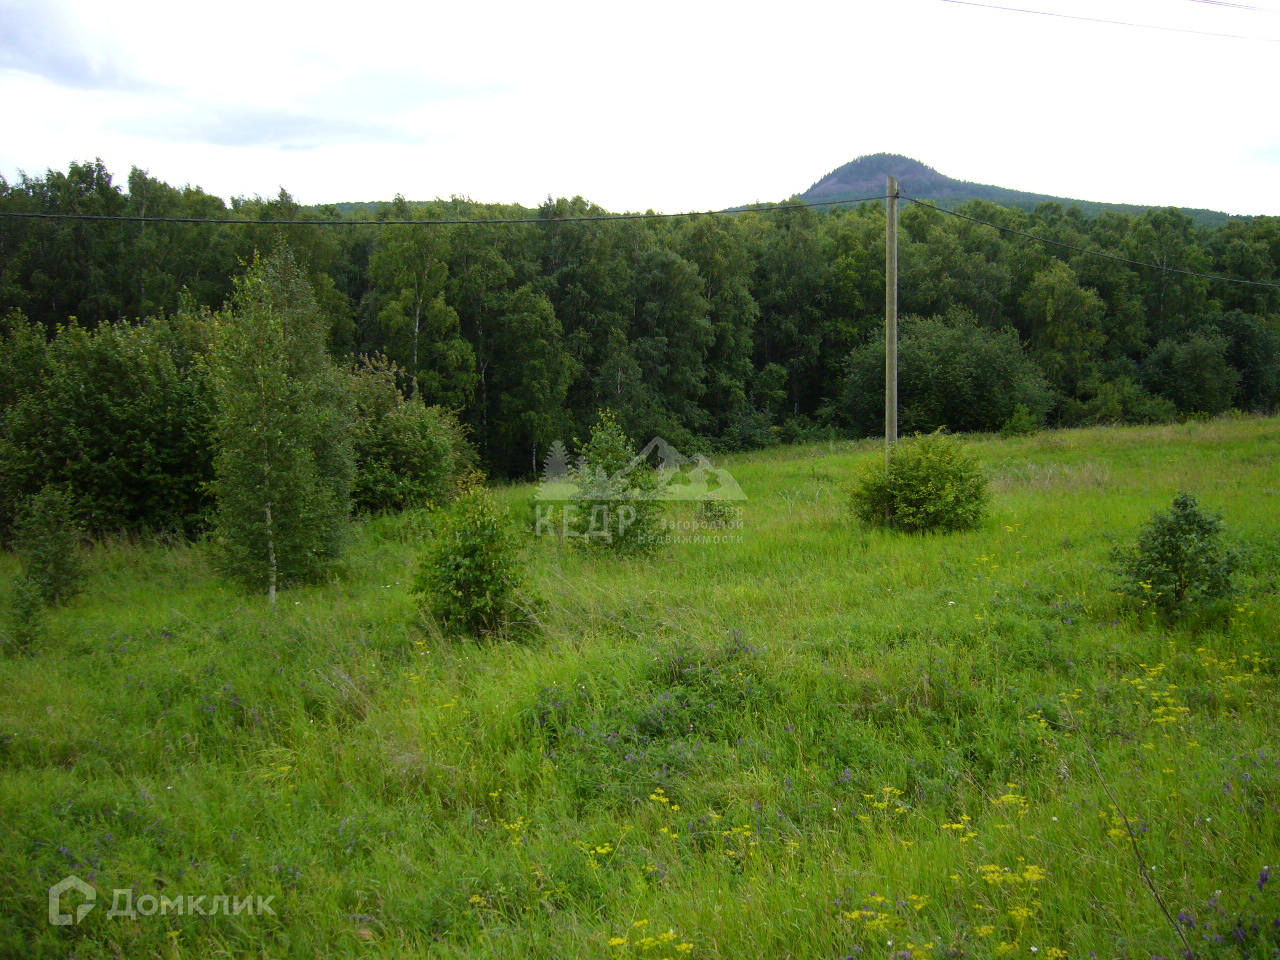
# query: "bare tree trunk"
{"points": [[271, 556], [417, 322], [484, 393]]}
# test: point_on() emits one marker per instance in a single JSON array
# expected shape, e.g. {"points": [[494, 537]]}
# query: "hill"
{"points": [[865, 177]]}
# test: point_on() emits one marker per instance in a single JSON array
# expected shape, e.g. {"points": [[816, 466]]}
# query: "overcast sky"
{"points": [[669, 106]]}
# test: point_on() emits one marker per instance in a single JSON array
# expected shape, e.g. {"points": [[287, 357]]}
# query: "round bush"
{"points": [[933, 484], [1179, 559], [469, 575]]}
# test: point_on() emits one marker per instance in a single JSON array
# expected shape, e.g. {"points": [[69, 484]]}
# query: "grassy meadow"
{"points": [[815, 740]]}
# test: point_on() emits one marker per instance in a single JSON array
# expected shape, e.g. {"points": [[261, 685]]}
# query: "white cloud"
{"points": [[665, 105]]}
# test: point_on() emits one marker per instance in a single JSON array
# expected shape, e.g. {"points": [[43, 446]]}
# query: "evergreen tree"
{"points": [[556, 465]]}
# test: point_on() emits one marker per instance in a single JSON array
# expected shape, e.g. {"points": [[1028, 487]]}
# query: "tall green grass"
{"points": [[821, 741]]}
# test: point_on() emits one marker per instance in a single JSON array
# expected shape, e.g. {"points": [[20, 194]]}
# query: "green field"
{"points": [[820, 741]]}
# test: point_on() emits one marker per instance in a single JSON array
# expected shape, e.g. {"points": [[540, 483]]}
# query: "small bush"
{"points": [[1179, 559], [614, 505], [469, 576], [802, 429], [47, 538], [1115, 401], [716, 514], [26, 615], [1022, 423], [933, 484], [749, 428]]}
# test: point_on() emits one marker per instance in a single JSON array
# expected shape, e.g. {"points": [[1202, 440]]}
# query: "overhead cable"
{"points": [[30, 215], [1116, 23]]}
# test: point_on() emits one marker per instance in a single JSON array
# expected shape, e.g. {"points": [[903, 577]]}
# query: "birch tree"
{"points": [[282, 431], [409, 273]]}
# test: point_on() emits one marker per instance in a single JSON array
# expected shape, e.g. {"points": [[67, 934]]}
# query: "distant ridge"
{"points": [[865, 177]]}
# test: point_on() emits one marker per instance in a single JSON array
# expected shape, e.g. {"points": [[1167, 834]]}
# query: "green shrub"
{"points": [[749, 428], [1022, 423], [26, 615], [933, 484], [614, 505], [952, 374], [470, 575], [119, 414], [47, 538], [1179, 559], [1118, 400], [798, 429], [407, 454], [716, 514]]}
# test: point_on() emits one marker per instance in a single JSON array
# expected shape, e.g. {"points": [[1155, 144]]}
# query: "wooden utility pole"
{"points": [[891, 322]]}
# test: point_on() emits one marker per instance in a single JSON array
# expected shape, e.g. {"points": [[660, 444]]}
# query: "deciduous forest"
{"points": [[724, 332]]}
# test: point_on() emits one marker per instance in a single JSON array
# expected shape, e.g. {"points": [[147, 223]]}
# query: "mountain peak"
{"points": [[865, 177]]}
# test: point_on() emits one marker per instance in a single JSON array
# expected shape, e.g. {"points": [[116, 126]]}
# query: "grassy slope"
{"points": [[810, 743]]}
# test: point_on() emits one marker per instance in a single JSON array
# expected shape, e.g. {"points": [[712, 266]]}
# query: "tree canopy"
{"points": [[728, 331]]}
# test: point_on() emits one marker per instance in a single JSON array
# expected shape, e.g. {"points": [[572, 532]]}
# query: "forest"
{"points": [[716, 332]]}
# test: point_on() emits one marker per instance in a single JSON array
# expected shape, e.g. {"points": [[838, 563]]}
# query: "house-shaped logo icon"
{"points": [[56, 916]]}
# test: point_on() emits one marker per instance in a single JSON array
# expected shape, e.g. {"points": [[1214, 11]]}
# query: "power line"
{"points": [[19, 214], [1236, 6], [1095, 253], [1117, 23], [22, 214]]}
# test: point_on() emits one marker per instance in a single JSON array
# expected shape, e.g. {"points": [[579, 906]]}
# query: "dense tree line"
{"points": [[239, 421], [730, 331]]}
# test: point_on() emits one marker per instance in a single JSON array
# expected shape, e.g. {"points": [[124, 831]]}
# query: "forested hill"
{"points": [[865, 177], [714, 333]]}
